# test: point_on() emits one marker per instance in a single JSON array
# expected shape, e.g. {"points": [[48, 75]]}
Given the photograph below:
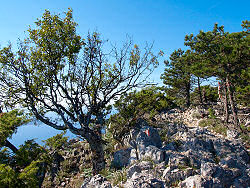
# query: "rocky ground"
{"points": [[183, 152]]}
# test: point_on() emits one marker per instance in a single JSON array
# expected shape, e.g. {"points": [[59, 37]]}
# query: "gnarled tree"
{"points": [[56, 71]]}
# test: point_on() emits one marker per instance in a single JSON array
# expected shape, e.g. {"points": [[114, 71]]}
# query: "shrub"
{"points": [[211, 113], [135, 105], [215, 125], [57, 142], [119, 177], [8, 177], [30, 151]]}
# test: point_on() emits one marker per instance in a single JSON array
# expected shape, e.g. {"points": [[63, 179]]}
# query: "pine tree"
{"points": [[177, 77]]}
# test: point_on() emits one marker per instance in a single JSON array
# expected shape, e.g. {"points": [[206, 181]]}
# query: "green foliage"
{"points": [[243, 94], [8, 177], [87, 172], [177, 77], [9, 122], [29, 174], [28, 152], [19, 169], [148, 101], [211, 94], [22, 168], [211, 113], [12, 179], [214, 124], [57, 142], [5, 156]]}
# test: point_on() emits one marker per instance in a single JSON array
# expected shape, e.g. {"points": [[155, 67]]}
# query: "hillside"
{"points": [[177, 148]]}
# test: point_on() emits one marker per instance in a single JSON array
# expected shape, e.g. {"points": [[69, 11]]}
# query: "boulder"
{"points": [[170, 176], [176, 159], [196, 181], [152, 153], [146, 165], [143, 137], [208, 169], [122, 157], [96, 181], [143, 180], [148, 136], [134, 168]]}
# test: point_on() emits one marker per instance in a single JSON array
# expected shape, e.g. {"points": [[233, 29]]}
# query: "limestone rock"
{"points": [[196, 181], [122, 157], [96, 181], [143, 180], [153, 153]]}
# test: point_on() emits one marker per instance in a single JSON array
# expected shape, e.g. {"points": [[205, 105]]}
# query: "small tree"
{"points": [[56, 71], [177, 76]]}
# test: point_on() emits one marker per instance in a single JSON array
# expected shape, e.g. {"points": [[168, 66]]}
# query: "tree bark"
{"points": [[10, 145], [96, 143], [225, 102], [199, 90], [98, 161], [232, 103], [204, 97], [188, 95]]}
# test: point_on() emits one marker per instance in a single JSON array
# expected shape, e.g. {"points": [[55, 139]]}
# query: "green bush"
{"points": [[23, 168], [8, 177], [211, 113], [57, 142], [30, 151], [215, 125], [9, 122], [135, 105]]}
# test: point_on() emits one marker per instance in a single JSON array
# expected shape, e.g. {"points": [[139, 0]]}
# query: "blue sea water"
{"points": [[38, 132]]}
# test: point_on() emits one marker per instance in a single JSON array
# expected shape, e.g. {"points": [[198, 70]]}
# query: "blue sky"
{"points": [[164, 22]]}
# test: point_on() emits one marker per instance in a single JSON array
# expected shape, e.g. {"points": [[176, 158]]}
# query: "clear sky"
{"points": [[164, 22]]}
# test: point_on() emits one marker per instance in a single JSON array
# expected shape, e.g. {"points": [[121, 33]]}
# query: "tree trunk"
{"points": [[95, 141], [199, 90], [233, 107], [204, 96], [98, 161], [188, 95], [225, 102], [10, 145]]}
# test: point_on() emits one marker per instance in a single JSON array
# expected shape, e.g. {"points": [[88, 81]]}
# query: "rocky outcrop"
{"points": [[193, 157], [189, 156], [68, 165]]}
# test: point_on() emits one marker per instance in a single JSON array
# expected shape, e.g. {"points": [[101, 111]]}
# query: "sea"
{"points": [[37, 131]]}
